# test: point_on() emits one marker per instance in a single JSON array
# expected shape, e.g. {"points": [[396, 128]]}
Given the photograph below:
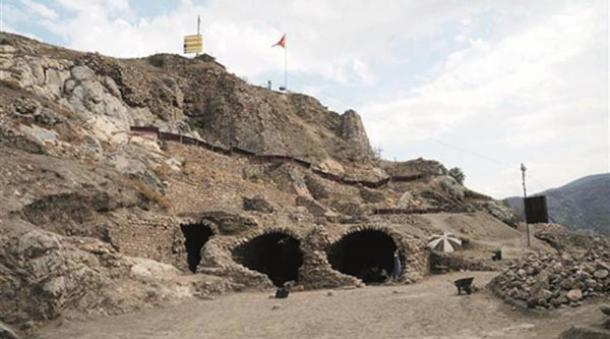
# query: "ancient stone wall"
{"points": [[161, 239]]}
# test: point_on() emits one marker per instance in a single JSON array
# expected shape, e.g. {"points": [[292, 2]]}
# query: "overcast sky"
{"points": [[482, 85]]}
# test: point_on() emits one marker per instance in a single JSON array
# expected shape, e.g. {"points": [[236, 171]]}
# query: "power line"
{"points": [[476, 154], [502, 163]]}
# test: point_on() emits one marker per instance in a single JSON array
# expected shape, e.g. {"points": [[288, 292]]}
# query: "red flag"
{"points": [[282, 42]]}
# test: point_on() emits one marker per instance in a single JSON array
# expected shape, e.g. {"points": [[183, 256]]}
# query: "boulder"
{"points": [[408, 200], [601, 274], [312, 206], [371, 196], [316, 188], [451, 187], [544, 294], [82, 73], [257, 203], [574, 295]]}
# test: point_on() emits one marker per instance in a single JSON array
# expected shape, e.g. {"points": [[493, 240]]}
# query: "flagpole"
{"points": [[286, 66]]}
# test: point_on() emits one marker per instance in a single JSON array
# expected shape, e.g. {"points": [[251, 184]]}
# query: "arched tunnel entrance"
{"points": [[195, 235], [367, 255], [278, 255]]}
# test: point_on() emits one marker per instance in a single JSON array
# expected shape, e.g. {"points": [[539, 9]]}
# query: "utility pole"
{"points": [[198, 24], [198, 28], [523, 169]]}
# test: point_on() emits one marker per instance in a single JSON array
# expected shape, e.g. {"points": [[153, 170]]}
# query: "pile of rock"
{"points": [[551, 281]]}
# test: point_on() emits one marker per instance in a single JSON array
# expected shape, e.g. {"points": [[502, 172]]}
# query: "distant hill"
{"points": [[583, 204]]}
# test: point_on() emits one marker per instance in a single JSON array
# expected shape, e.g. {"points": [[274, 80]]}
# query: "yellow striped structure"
{"points": [[193, 44]]}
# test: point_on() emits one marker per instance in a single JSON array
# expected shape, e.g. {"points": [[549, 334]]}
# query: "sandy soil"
{"points": [[430, 309]]}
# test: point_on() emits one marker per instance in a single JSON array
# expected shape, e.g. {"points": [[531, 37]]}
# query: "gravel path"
{"points": [[430, 309]]}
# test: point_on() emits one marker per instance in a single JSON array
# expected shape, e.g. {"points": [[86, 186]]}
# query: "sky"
{"points": [[480, 85]]}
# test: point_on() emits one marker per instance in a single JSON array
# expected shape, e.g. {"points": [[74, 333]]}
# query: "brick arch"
{"points": [[274, 252], [346, 254]]}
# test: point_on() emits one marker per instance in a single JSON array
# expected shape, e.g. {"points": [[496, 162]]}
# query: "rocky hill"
{"points": [[581, 204], [227, 187]]}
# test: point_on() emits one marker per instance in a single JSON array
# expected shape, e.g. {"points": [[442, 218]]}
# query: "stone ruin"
{"points": [[311, 257], [110, 231]]}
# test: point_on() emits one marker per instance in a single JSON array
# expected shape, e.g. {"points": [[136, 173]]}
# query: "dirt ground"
{"points": [[430, 309]]}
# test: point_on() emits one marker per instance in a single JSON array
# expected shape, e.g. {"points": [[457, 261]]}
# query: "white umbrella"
{"points": [[444, 242]]}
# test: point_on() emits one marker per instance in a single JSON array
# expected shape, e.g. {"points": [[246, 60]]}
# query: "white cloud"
{"points": [[337, 40], [481, 78], [543, 85], [85, 5], [39, 9]]}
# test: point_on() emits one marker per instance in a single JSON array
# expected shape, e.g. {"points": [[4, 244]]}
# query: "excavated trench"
{"points": [[195, 235], [278, 255], [367, 255]]}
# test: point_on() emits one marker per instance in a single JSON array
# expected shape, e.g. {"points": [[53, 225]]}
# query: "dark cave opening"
{"points": [[278, 255], [367, 255], [195, 235]]}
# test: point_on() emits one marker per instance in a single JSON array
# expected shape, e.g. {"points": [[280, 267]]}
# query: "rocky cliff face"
{"points": [[195, 96], [352, 131]]}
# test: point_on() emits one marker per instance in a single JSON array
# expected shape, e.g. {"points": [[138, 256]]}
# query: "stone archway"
{"points": [[276, 254], [366, 254]]}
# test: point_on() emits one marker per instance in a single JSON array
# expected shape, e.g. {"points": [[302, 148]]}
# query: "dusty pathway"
{"points": [[430, 309]]}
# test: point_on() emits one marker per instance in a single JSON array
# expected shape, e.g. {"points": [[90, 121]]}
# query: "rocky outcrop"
{"points": [[45, 275], [498, 210], [371, 196], [316, 187], [352, 130], [312, 206], [257, 203], [196, 96], [416, 166]]}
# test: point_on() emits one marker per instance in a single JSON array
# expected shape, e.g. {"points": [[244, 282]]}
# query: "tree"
{"points": [[377, 152], [457, 174]]}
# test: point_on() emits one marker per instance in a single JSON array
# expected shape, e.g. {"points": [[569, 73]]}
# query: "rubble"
{"points": [[552, 281]]}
